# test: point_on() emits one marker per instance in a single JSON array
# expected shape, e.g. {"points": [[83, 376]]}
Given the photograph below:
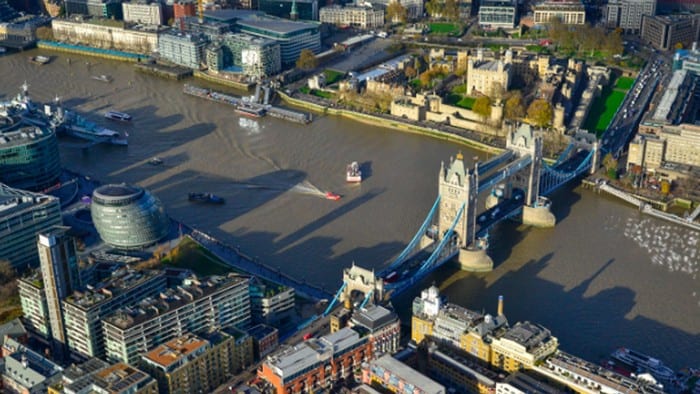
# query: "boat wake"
{"points": [[304, 187]]}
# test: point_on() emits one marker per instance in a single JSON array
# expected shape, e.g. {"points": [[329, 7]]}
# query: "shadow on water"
{"points": [[608, 313], [564, 199], [366, 169]]}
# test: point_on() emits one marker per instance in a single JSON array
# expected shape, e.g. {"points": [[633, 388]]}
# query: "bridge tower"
{"points": [[525, 141], [360, 280], [458, 186]]}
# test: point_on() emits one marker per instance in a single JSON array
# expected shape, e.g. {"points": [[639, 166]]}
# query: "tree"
{"points": [[610, 162], [307, 60], [410, 72], [514, 108], [396, 13], [613, 44], [540, 113], [7, 272], [435, 8], [482, 107], [451, 10]]}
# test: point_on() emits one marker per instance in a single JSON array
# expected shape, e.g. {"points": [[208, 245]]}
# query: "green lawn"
{"points": [[603, 109], [333, 76], [322, 94], [467, 102], [624, 83], [444, 28], [460, 89], [192, 256]]}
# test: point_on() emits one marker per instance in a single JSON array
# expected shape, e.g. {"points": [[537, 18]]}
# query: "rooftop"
{"points": [[22, 136], [171, 299], [374, 317], [12, 329], [120, 378], [669, 97], [77, 372], [276, 25], [26, 367], [116, 193], [408, 375], [527, 334], [178, 350], [528, 384], [261, 331], [15, 201], [121, 281], [292, 360]]}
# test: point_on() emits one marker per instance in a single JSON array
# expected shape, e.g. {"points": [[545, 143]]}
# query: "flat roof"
{"points": [[670, 95], [175, 350], [409, 375], [277, 25]]}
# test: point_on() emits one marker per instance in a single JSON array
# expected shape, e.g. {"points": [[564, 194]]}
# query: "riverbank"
{"points": [[221, 80], [90, 51], [644, 204], [390, 123]]}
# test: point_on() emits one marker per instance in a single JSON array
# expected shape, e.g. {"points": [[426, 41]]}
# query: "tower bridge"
{"points": [[515, 185]]}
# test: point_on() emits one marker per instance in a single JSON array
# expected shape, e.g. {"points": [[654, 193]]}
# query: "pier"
{"points": [[237, 102]]}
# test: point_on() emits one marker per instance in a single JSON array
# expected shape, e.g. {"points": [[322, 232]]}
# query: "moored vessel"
{"points": [[353, 173], [102, 78], [643, 363], [205, 198], [116, 115], [155, 161], [39, 59]]}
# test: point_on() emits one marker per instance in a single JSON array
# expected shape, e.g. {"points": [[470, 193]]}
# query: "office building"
{"points": [[197, 306], [193, 364], [673, 107], [627, 14], [265, 340], [100, 377], [108, 9], [688, 60], [522, 346], [107, 34], [26, 371], [667, 149], [59, 271], [670, 32], [183, 49], [352, 16], [254, 56], [382, 326], [306, 9], [23, 214], [316, 363], [33, 300], [181, 10], [494, 14], [84, 310], [128, 216], [291, 36], [143, 11], [398, 377], [272, 304], [568, 12], [29, 157]]}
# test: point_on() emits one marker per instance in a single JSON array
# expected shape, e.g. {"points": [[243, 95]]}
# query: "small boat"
{"points": [[40, 59], [332, 196], [155, 161], [3, 50], [116, 115], [102, 78], [353, 173], [205, 198]]}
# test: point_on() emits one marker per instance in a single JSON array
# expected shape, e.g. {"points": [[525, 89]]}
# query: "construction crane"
{"points": [[200, 11]]}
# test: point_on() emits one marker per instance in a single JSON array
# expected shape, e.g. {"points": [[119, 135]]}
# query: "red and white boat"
{"points": [[332, 196]]}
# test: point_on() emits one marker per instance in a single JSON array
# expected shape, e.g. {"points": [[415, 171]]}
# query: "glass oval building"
{"points": [[128, 216], [29, 157]]}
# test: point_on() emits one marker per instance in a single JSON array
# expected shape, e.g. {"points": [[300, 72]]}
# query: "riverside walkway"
{"points": [[233, 257]]}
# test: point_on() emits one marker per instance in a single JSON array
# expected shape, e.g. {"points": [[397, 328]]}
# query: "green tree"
{"points": [[396, 13], [307, 60], [540, 113], [613, 44], [514, 108], [609, 162], [410, 72], [482, 107]]}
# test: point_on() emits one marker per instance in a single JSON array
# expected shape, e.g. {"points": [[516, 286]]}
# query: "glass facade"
{"points": [[29, 158], [128, 217]]}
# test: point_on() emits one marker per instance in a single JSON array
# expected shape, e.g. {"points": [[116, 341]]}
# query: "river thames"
{"points": [[605, 277]]}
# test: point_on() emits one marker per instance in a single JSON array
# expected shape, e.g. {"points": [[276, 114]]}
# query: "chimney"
{"points": [[500, 305]]}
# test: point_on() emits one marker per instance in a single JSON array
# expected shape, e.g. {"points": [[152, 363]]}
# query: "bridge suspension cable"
{"points": [[428, 264], [335, 299], [411, 245], [367, 297]]}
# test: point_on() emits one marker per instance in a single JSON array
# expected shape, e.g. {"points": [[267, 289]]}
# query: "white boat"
{"points": [[353, 173], [644, 363], [3, 50], [40, 59], [102, 78], [116, 115]]}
